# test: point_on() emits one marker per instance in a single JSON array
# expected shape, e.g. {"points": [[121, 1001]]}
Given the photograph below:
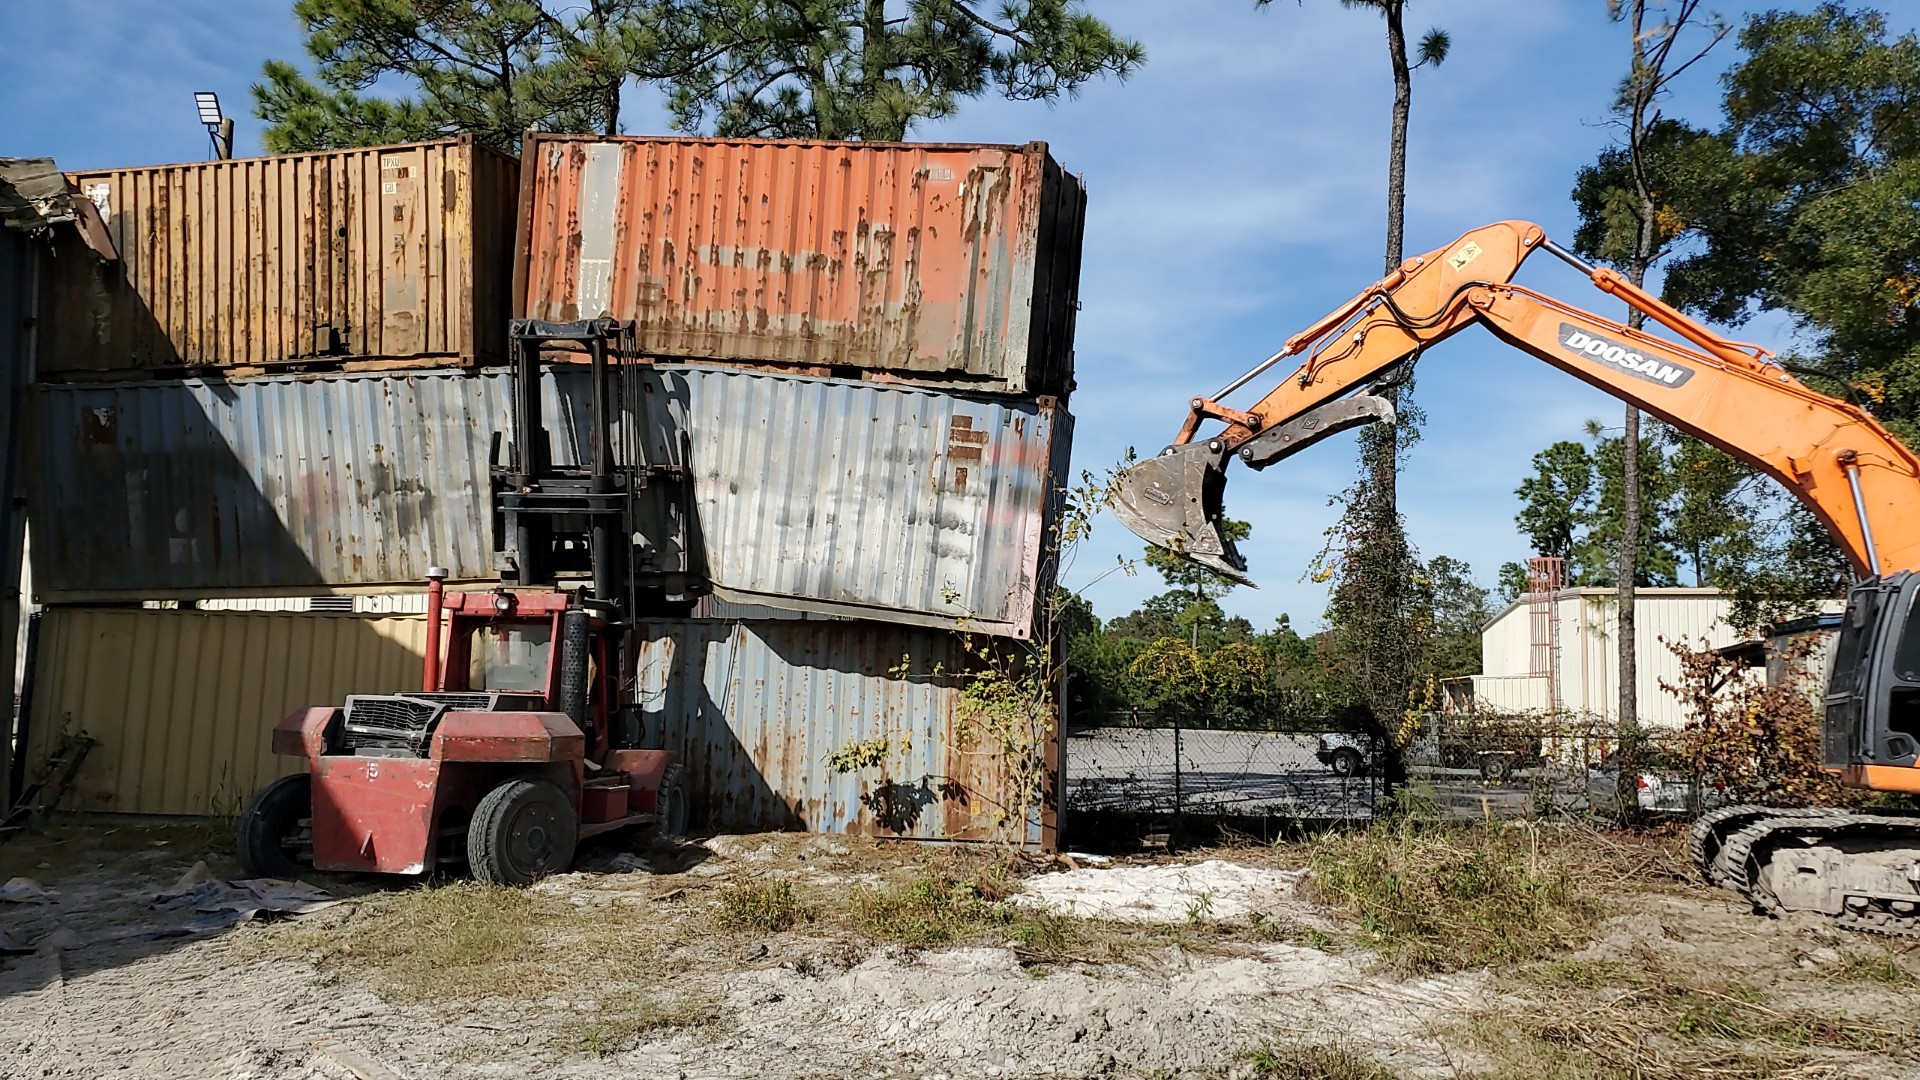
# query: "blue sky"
{"points": [[1236, 193]]}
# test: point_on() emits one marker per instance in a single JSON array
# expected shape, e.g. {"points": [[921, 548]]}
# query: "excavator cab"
{"points": [[1873, 692]]}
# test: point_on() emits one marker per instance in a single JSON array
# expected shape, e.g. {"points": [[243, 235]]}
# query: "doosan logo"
{"points": [[1612, 352]]}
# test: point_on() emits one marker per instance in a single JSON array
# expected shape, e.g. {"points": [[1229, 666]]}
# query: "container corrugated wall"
{"points": [[400, 254], [187, 488], [894, 503], [879, 502], [956, 264], [755, 708], [182, 704]]}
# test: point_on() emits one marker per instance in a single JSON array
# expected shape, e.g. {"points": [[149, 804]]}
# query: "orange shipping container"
{"points": [[951, 265], [382, 256]]}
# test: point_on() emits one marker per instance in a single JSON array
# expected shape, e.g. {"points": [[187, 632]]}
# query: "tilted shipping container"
{"points": [[384, 256], [890, 503], [952, 265]]}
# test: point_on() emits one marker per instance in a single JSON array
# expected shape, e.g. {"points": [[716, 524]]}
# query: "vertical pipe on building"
{"points": [[25, 254], [604, 534], [436, 606]]}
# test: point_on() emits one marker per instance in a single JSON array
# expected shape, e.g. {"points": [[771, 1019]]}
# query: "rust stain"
{"points": [[855, 256]]}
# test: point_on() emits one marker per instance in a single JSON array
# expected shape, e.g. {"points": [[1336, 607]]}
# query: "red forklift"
{"points": [[518, 745]]}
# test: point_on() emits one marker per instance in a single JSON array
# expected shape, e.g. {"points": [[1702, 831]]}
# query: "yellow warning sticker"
{"points": [[1463, 255]]}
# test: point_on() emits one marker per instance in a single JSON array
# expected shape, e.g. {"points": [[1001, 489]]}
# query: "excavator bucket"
{"points": [[1175, 501]]}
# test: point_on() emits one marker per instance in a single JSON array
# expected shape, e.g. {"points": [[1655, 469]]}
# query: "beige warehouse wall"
{"points": [[183, 703]]}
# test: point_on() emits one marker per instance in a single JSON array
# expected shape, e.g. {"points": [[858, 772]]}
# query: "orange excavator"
{"points": [[1858, 868]]}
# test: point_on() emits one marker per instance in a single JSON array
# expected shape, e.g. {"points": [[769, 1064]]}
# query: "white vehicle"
{"points": [[1347, 753]]}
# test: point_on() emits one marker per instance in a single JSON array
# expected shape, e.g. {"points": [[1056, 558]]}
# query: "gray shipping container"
{"points": [[845, 498], [754, 708]]}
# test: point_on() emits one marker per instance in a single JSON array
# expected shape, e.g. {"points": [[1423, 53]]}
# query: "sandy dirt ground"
{"points": [[103, 984]]}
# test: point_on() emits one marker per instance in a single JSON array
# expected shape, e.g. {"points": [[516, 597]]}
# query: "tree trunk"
{"points": [[1641, 84], [1395, 11]]}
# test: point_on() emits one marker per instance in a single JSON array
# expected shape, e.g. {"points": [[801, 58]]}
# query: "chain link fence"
{"points": [[1173, 773], [1144, 773]]}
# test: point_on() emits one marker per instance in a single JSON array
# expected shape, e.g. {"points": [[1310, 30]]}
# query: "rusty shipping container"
{"points": [[753, 708], [383, 256], [950, 265], [845, 498]]}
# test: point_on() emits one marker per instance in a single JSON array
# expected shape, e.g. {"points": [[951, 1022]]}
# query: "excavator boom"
{"points": [[1862, 483]]}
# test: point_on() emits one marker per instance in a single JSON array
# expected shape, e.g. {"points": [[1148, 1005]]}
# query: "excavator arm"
{"points": [[1834, 457]]}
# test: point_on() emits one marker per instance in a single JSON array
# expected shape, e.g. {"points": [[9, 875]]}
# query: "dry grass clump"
{"points": [[1881, 969], [440, 943], [1650, 1020], [768, 907], [1313, 1061], [943, 905], [1442, 898], [619, 1021]]}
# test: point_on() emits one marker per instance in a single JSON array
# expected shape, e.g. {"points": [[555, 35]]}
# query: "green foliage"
{"points": [[855, 756], [845, 69], [490, 67], [1460, 607], [1574, 503], [942, 907], [1169, 676], [853, 69], [1815, 206]]}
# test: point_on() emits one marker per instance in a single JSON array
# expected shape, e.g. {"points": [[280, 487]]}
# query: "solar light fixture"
{"points": [[219, 128]]}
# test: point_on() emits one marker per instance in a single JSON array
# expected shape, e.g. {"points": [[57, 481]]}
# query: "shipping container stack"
{"points": [[863, 352]]}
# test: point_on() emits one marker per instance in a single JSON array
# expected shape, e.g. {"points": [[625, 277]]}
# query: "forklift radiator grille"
{"points": [[404, 722], [390, 723]]}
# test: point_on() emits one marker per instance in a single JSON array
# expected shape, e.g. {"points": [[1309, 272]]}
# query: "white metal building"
{"points": [[1559, 654]]}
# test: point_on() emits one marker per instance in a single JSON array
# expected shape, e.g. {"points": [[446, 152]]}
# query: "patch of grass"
{"points": [[1312, 1061], [1649, 1021], [768, 908], [1576, 974], [444, 943], [941, 907], [619, 1021], [1882, 969], [1441, 898]]}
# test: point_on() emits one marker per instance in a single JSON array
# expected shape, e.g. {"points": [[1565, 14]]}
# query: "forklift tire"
{"points": [[670, 806], [270, 821], [522, 831]]}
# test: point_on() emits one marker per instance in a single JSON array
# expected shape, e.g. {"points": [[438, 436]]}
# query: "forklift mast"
{"points": [[599, 506]]}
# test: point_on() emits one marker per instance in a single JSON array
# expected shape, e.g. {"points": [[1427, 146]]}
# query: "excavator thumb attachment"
{"points": [[1174, 501], [1332, 418]]}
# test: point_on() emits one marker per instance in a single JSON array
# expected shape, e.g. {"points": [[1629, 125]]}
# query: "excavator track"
{"points": [[1713, 828], [1748, 852]]}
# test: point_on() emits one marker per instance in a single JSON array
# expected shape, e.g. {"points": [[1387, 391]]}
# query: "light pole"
{"points": [[219, 126]]}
